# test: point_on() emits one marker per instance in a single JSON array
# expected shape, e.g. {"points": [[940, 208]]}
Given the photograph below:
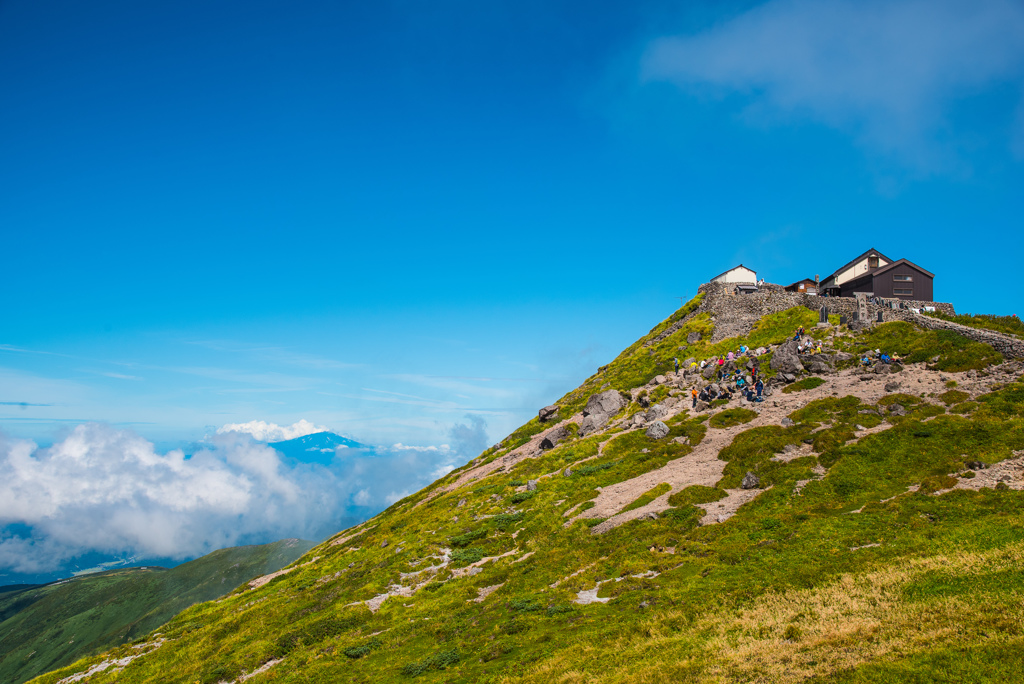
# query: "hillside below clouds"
{"points": [[865, 522]]}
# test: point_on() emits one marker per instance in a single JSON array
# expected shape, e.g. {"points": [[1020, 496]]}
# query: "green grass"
{"points": [[648, 497], [731, 417], [852, 579], [955, 352], [1008, 325], [805, 384], [50, 626]]}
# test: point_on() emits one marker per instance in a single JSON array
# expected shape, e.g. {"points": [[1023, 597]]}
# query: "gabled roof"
{"points": [[901, 262], [803, 280], [733, 269], [852, 262]]}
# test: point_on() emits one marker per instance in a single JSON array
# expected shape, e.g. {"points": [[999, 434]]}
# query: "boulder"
{"points": [[786, 359], [709, 371], [567, 472], [701, 406], [817, 363], [897, 410], [547, 413], [787, 422], [657, 430], [657, 412], [593, 423], [975, 465], [749, 379], [881, 368], [608, 402], [892, 386], [689, 361], [659, 380], [554, 437], [842, 356], [750, 481], [644, 401], [531, 485], [693, 337], [788, 377]]}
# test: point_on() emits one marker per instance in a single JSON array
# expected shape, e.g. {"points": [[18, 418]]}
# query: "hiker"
{"points": [[759, 386], [731, 356], [744, 349], [693, 392], [884, 358], [677, 365], [865, 361], [703, 363], [818, 349], [693, 366]]}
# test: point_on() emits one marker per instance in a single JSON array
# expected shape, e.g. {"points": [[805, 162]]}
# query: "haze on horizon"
{"points": [[414, 224]]}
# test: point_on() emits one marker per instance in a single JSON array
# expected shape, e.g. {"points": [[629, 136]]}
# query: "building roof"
{"points": [[853, 261], [803, 280], [900, 262], [733, 269]]}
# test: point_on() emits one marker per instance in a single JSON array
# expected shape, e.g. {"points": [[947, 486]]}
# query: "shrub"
{"points": [[695, 494], [438, 661], [467, 556], [464, 540], [524, 605], [355, 652], [592, 469], [503, 521], [520, 497], [805, 384], [953, 397]]}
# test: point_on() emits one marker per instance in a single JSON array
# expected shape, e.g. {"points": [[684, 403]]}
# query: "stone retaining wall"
{"points": [[735, 314], [1010, 347]]}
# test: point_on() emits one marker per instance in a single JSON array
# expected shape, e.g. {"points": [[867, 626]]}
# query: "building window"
{"points": [[903, 278], [903, 292], [872, 262]]}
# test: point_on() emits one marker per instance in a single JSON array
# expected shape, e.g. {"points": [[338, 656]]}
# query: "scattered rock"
{"points": [[750, 481], [609, 403], [693, 337], [384, 544], [786, 359], [842, 356], [787, 422], [657, 430], [657, 412], [567, 472], [892, 386], [817, 363], [554, 437], [462, 502], [897, 410], [659, 380], [593, 423], [709, 371], [701, 406], [547, 413], [788, 377], [649, 516], [975, 465], [644, 401], [531, 485]]}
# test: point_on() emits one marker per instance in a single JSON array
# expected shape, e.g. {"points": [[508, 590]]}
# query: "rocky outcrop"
{"points": [[547, 413], [599, 410], [554, 437], [786, 359], [817, 363]]}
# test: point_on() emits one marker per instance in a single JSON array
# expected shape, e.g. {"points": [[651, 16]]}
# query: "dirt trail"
{"points": [[702, 466]]}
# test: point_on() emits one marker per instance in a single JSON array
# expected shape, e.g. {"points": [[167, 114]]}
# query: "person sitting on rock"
{"points": [[865, 361]]}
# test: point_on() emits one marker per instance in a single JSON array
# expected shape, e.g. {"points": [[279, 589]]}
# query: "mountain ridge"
{"points": [[862, 523]]}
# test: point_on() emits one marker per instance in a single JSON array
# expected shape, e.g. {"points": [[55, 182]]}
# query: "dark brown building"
{"points": [[805, 286], [879, 276]]}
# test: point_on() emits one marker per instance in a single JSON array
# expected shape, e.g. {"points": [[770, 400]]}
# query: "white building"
{"points": [[736, 274]]}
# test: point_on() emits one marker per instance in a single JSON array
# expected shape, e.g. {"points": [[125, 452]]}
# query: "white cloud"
{"points": [[887, 71], [107, 490], [271, 432]]}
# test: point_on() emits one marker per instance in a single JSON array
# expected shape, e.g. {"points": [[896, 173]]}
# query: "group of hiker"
{"points": [[882, 356]]}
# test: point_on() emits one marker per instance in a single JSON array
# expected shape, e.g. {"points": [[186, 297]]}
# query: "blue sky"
{"points": [[400, 219]]}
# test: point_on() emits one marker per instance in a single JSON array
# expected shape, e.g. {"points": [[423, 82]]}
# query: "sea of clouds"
{"points": [[109, 491]]}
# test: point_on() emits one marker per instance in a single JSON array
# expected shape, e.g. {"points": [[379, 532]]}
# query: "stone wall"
{"points": [[1010, 347], [735, 314]]}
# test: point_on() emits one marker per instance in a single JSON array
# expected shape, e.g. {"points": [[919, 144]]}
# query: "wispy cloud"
{"points": [[22, 404], [887, 71]]}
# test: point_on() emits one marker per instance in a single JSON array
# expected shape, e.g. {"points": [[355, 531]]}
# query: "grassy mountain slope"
{"points": [[868, 552], [55, 624]]}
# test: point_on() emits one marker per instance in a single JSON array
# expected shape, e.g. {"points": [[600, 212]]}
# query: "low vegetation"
{"points": [[853, 562], [805, 384], [1008, 325]]}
